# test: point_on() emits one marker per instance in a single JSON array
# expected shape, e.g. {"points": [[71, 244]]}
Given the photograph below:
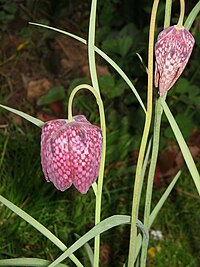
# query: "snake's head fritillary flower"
{"points": [[172, 51], [71, 153]]}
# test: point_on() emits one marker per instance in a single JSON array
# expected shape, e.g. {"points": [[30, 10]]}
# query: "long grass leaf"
{"points": [[60, 31], [98, 229], [183, 146], [90, 253], [27, 262], [88, 250], [103, 55], [192, 16], [32, 119], [162, 200], [38, 226], [156, 209]]}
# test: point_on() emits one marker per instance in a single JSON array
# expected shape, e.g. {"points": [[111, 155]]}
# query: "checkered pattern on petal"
{"points": [[172, 52], [71, 153]]}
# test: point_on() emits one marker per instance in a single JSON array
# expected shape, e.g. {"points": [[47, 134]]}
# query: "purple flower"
{"points": [[172, 51], [71, 153]]}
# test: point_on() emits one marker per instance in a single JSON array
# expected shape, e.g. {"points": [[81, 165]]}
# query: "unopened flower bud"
{"points": [[172, 51], [71, 153]]}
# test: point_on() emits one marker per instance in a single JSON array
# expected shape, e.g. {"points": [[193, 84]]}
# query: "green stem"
{"points": [[98, 98], [93, 73], [98, 193], [182, 13], [91, 46], [135, 205], [168, 9], [156, 140], [149, 190]]}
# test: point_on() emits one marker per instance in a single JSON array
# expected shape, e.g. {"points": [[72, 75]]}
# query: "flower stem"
{"points": [[168, 9], [91, 46], [135, 203], [182, 13], [102, 163], [156, 139]]}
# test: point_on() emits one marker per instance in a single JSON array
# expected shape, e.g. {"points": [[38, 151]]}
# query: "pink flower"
{"points": [[71, 152], [172, 51]]}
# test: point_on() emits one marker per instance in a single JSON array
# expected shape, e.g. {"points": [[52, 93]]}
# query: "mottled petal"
{"points": [[71, 152], [86, 146], [172, 51], [48, 128]]}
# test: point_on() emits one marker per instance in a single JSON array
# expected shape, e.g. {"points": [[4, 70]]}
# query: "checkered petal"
{"points": [[172, 52], [71, 153]]}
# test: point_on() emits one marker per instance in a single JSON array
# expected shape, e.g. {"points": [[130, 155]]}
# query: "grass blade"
{"points": [[162, 200], [103, 55], [28, 262], [60, 31], [192, 16], [32, 119], [183, 146], [38, 226], [88, 250], [98, 229], [156, 209]]}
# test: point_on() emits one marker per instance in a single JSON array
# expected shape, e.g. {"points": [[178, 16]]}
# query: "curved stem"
{"points": [[135, 205], [182, 13], [98, 193]]}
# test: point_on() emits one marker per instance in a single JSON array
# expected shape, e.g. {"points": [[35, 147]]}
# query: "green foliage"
{"points": [[185, 98], [56, 93]]}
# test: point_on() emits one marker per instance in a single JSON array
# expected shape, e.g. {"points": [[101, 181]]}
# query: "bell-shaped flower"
{"points": [[172, 51], [71, 153]]}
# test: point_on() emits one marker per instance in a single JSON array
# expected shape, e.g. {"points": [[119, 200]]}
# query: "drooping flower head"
{"points": [[172, 51], [71, 153]]}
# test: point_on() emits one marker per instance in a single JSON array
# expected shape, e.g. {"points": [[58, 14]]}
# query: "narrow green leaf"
{"points": [[60, 31], [90, 253], [103, 55], [162, 200], [25, 216], [34, 120], [38, 226], [183, 146], [143, 64], [28, 262], [88, 250], [192, 16], [98, 229], [156, 209]]}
